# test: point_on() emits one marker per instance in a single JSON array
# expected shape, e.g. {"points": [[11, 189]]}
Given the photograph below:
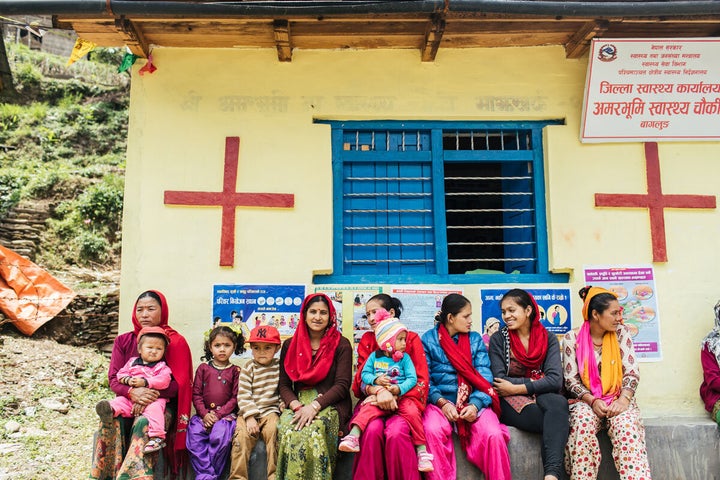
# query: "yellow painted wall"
{"points": [[181, 114]]}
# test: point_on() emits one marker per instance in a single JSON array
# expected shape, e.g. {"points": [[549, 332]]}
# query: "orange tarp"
{"points": [[29, 295]]}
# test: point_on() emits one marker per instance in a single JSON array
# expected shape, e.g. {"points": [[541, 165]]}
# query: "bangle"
{"points": [[380, 388], [298, 407], [629, 398], [316, 405], [592, 404], [442, 402]]}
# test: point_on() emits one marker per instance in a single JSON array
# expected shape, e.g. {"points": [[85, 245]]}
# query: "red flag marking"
{"points": [[654, 201], [229, 200]]}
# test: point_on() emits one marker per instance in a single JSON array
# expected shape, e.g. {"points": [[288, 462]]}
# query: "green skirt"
{"points": [[310, 453]]}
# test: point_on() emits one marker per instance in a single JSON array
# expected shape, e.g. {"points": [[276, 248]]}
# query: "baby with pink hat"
{"points": [[391, 369]]}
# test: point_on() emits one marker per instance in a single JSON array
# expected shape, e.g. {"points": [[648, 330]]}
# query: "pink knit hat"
{"points": [[387, 330]]}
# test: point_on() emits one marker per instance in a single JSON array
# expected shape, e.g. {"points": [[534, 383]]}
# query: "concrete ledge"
{"points": [[679, 448]]}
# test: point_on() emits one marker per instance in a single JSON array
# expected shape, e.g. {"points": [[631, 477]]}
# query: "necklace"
{"points": [[596, 345], [219, 370]]}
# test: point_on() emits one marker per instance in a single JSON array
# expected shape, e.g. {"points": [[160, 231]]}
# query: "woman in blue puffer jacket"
{"points": [[461, 397]]}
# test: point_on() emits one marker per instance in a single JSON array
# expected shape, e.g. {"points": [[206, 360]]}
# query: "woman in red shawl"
{"points": [[315, 376], [526, 365], [113, 455]]}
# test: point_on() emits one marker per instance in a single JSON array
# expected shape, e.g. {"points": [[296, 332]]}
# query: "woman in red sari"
{"points": [[386, 448], [113, 457]]}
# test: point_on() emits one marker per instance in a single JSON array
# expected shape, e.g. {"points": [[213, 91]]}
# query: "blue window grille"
{"points": [[439, 201]]}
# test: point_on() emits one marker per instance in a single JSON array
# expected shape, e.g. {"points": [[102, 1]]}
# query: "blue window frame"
{"points": [[437, 202]]}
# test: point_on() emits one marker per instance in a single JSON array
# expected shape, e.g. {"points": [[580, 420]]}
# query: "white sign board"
{"points": [[640, 90]]}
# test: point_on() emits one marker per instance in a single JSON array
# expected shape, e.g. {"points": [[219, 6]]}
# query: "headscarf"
{"points": [[605, 386], [300, 364], [460, 356], [179, 359], [711, 342], [534, 357]]}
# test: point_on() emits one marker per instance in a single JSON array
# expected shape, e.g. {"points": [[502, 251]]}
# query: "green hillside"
{"points": [[62, 141]]}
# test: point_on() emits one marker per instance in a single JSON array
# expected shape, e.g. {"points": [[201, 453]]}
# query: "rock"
{"points": [[12, 426], [30, 411], [55, 404], [9, 448]]}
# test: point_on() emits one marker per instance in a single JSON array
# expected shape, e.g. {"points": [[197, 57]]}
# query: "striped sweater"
{"points": [[258, 389]]}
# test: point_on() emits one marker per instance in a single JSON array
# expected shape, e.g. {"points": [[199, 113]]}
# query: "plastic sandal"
{"points": [[153, 445]]}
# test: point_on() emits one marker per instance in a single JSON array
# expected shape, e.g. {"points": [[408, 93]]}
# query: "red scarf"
{"points": [[179, 359], [460, 358], [300, 365], [533, 358]]}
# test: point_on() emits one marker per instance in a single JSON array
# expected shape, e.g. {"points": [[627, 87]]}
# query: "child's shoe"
{"points": [[425, 461], [153, 445], [350, 443], [104, 411]]}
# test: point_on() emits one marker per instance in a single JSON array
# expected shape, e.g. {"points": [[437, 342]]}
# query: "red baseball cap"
{"points": [[155, 330], [265, 334]]}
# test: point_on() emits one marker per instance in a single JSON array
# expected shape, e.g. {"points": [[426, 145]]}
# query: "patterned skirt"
{"points": [[110, 462], [309, 453]]}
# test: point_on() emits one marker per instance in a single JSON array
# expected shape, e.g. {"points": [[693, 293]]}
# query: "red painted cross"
{"points": [[229, 200], [654, 201]]}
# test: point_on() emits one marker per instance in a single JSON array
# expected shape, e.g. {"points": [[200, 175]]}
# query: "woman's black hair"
{"points": [[150, 294], [237, 339], [451, 305], [522, 298], [599, 302], [388, 303]]}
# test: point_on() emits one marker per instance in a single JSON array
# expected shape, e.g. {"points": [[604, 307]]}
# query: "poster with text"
{"points": [[635, 288], [553, 306], [255, 305], [349, 302], [663, 89], [420, 305]]}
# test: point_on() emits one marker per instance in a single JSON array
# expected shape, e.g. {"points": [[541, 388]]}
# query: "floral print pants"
{"points": [[627, 435]]}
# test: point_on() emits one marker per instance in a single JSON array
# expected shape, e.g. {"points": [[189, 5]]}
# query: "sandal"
{"points": [[153, 445]]}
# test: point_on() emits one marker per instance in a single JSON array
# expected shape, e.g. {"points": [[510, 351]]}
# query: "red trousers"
{"points": [[407, 409]]}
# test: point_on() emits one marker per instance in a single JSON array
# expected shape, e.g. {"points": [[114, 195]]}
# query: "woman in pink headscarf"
{"points": [[601, 374]]}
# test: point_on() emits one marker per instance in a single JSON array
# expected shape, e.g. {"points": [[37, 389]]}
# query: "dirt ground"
{"points": [[48, 393]]}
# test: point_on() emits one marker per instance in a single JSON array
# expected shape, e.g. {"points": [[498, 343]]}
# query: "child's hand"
{"points": [[383, 381], [252, 426], [209, 419], [137, 382]]}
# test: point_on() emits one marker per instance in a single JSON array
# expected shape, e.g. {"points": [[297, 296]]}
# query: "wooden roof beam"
{"points": [[133, 37], [433, 37], [281, 30], [580, 41]]}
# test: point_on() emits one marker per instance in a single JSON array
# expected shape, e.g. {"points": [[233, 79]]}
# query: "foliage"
{"points": [[64, 141]]}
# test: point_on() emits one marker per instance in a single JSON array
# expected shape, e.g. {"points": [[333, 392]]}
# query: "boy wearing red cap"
{"points": [[258, 403], [147, 370]]}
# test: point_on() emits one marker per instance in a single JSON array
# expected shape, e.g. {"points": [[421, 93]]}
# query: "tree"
{"points": [[7, 88]]}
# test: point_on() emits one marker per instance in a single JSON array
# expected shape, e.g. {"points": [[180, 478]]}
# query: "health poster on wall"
{"points": [[635, 288], [349, 303], [553, 305], [420, 305], [254, 305]]}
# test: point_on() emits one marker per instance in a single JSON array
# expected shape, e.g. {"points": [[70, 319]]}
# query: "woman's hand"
{"points": [[505, 388], [600, 408], [450, 412], [469, 413], [143, 396], [386, 400], [303, 417], [618, 406]]}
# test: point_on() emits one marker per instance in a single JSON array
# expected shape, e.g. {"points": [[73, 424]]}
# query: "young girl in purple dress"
{"points": [[215, 389]]}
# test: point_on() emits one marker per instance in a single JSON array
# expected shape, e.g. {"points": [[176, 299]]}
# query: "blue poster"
{"points": [[554, 305], [254, 305]]}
